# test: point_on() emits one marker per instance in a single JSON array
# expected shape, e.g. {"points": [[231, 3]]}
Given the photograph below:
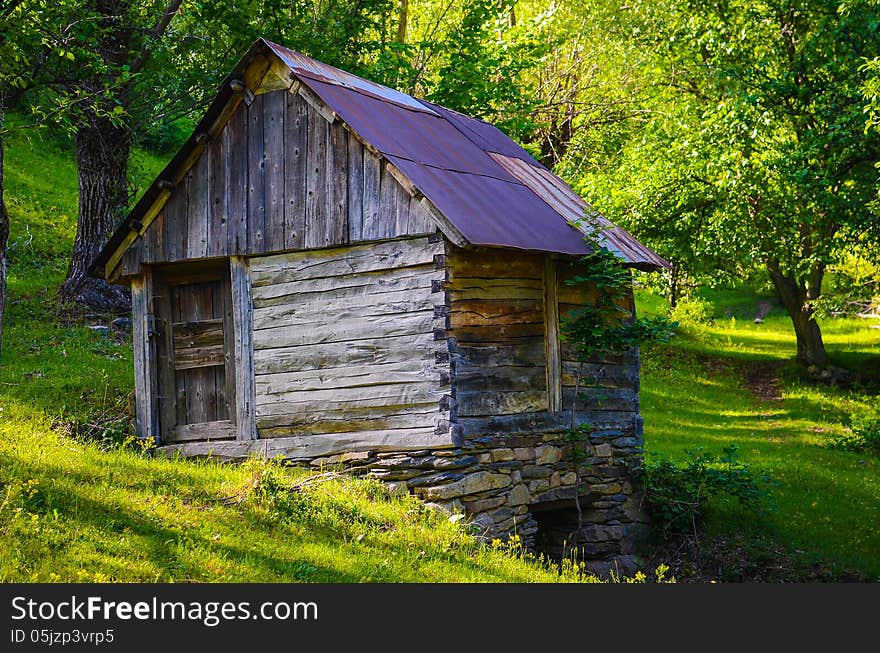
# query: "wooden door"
{"points": [[196, 378]]}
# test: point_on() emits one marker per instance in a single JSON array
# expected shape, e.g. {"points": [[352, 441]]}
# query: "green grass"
{"points": [[697, 392]]}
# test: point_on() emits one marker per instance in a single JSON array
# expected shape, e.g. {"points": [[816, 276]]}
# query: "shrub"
{"points": [[678, 495], [865, 436], [692, 310]]}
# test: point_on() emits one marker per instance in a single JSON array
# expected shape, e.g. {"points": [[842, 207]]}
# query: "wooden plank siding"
{"points": [[496, 326], [608, 382], [344, 342], [510, 370], [278, 177]]}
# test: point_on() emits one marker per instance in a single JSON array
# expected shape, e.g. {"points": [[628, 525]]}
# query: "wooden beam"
{"points": [[448, 229], [317, 103], [144, 356], [243, 350], [316, 445], [402, 179], [551, 336]]}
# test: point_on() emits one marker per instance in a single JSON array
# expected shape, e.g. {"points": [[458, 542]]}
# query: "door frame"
{"points": [[165, 277]]}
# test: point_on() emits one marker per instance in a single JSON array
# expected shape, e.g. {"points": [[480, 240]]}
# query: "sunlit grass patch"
{"points": [[696, 393]]}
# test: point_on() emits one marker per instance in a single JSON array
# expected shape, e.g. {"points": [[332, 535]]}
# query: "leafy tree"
{"points": [[756, 139], [29, 65], [123, 34], [482, 61]]}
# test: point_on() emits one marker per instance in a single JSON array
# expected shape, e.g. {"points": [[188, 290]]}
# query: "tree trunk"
{"points": [[4, 230], [102, 150], [403, 21], [673, 286], [797, 301]]}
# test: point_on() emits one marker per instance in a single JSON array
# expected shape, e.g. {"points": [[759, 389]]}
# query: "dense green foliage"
{"points": [[677, 495], [607, 323]]}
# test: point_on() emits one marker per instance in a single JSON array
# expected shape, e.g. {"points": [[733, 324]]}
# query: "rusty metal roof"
{"points": [[488, 187], [491, 189]]}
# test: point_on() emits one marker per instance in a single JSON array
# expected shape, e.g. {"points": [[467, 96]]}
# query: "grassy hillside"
{"points": [[78, 509], [732, 382]]}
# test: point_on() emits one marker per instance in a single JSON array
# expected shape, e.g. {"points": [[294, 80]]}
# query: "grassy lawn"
{"points": [[732, 382]]}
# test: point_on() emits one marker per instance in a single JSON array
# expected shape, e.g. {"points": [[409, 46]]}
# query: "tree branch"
{"points": [[154, 35]]}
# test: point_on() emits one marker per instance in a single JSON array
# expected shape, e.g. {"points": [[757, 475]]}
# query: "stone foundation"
{"points": [[524, 484]]}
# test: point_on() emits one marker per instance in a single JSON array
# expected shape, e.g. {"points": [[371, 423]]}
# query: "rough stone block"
{"points": [[502, 455], [603, 450], [547, 455], [519, 495], [536, 471], [539, 485], [470, 484], [482, 505]]}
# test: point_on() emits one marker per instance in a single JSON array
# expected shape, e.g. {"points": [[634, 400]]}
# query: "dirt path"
{"points": [[762, 378]]}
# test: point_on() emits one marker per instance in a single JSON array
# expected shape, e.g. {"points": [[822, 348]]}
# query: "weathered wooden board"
{"points": [[349, 305], [477, 402], [256, 197], [216, 430], [336, 193], [350, 419], [501, 333], [345, 330], [488, 263], [314, 446], [410, 371], [316, 183], [296, 121], [378, 351], [371, 228], [472, 312], [372, 283], [527, 352], [601, 399], [551, 336], [218, 188], [275, 154], [604, 421], [355, 190], [198, 200], [610, 375], [506, 377], [243, 352], [145, 356], [299, 266], [350, 424]]}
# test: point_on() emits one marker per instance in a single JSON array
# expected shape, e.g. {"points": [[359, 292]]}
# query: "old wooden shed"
{"points": [[332, 271]]}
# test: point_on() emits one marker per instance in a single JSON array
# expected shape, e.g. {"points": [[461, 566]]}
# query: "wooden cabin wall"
{"points": [[344, 343], [278, 177], [609, 383], [511, 370], [496, 322]]}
